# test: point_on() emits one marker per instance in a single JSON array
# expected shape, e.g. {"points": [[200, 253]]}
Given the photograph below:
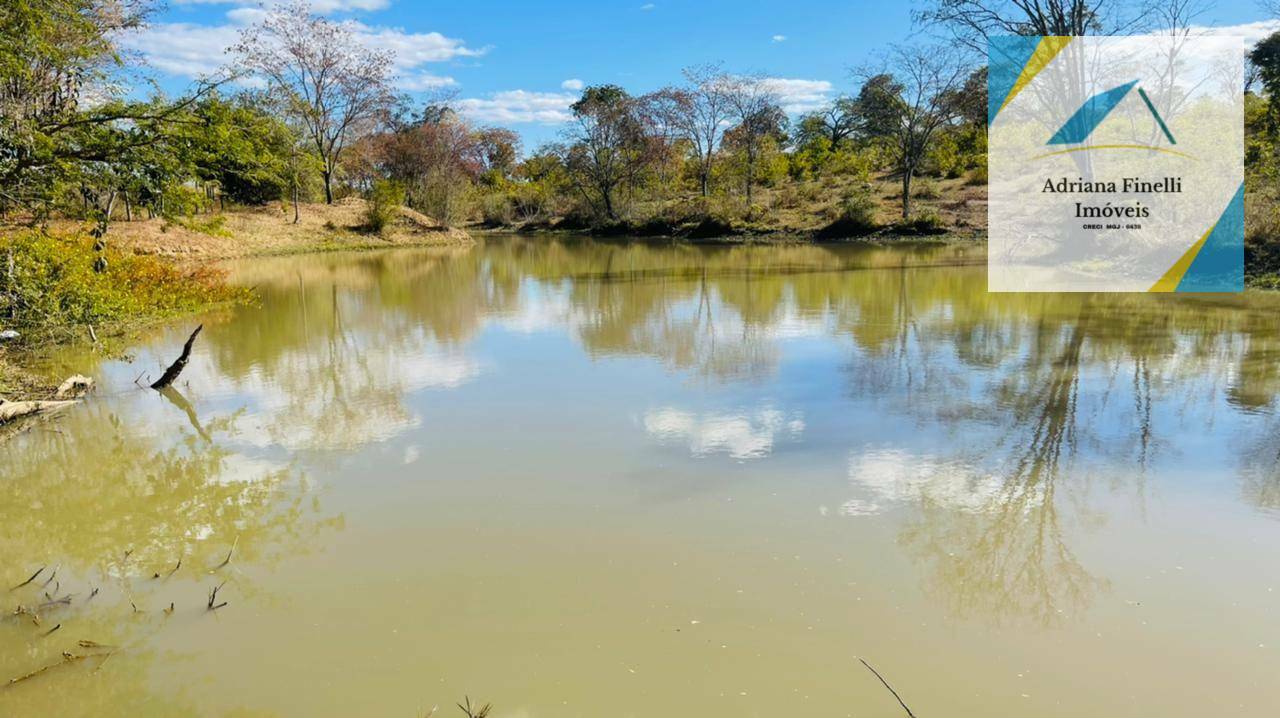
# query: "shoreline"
{"points": [[200, 241]]}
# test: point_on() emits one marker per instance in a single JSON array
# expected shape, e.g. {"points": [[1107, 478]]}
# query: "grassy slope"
{"points": [[270, 230], [802, 210]]}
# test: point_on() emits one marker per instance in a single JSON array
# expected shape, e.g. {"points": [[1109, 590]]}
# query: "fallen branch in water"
{"points": [[11, 410], [213, 597], [886, 685], [478, 712], [33, 577], [66, 658], [227, 560], [171, 374]]}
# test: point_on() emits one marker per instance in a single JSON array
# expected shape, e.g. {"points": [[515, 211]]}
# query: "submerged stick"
{"points": [[227, 560], [33, 577], [213, 597], [171, 374], [66, 658], [886, 685]]}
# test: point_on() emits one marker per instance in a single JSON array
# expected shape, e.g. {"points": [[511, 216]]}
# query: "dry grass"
{"points": [[270, 229]]}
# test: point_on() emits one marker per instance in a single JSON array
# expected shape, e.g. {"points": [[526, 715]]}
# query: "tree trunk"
{"points": [[128, 207], [328, 186], [906, 194], [608, 202], [295, 202], [111, 204]]}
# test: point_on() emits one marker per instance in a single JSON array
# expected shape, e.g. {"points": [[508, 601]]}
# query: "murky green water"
{"points": [[590, 479]]}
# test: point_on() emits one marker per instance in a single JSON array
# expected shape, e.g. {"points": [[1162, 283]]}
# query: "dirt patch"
{"points": [[270, 229]]}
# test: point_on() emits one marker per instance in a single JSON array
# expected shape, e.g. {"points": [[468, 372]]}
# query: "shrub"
{"points": [[855, 215], [53, 282], [858, 208], [925, 221], [977, 176], [925, 189], [497, 209], [383, 205]]}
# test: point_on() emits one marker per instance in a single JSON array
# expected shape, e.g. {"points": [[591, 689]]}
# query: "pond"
{"points": [[582, 478]]}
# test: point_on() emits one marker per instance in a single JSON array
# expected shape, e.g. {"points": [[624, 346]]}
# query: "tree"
{"points": [[53, 52], [972, 22], [1265, 57], [335, 87], [754, 105], [434, 155], [912, 102], [699, 111], [605, 145], [836, 123]]}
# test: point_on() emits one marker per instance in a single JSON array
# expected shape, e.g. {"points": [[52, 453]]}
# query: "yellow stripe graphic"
{"points": [[1169, 282], [1048, 49], [1116, 147]]}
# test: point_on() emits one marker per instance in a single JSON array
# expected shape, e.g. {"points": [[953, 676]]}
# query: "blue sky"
{"points": [[519, 64]]}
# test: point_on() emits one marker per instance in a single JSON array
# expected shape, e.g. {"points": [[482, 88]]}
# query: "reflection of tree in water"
{"points": [[1014, 363], [334, 348], [1009, 558], [125, 523]]}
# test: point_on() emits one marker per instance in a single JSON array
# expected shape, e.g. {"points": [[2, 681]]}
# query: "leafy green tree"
{"points": [[605, 146]]}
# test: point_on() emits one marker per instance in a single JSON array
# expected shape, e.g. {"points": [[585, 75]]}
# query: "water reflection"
{"points": [[740, 435], [1021, 384], [128, 515], [560, 395]]}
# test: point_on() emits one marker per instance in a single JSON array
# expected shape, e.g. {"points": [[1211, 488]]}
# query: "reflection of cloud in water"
{"points": [[741, 436], [897, 476], [346, 403]]}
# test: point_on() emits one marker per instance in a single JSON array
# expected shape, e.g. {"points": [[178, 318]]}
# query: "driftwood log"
{"points": [[10, 410], [171, 374], [68, 393]]}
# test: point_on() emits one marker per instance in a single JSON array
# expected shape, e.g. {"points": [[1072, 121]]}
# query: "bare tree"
{"points": [[918, 99], [699, 112], [754, 105], [973, 21], [336, 87]]}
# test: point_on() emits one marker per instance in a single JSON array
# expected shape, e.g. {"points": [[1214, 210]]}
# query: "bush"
{"points": [[856, 215], [859, 209], [497, 209], [53, 283], [925, 221], [925, 189], [383, 205], [977, 176]]}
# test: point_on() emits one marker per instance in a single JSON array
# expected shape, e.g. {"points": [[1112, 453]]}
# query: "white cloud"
{"points": [[519, 106], [423, 81], [183, 49], [190, 50], [323, 7], [414, 48], [741, 436], [1252, 32], [887, 476], [779, 38], [572, 84], [797, 95], [648, 6]]}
